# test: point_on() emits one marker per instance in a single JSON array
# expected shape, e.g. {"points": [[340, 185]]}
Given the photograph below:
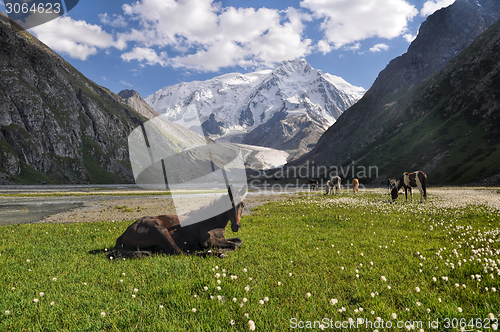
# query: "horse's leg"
{"points": [[419, 186], [411, 194], [236, 240], [167, 238], [424, 187], [221, 243]]}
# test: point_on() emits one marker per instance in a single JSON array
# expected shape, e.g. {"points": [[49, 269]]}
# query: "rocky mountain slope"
{"points": [[134, 100], [442, 124], [56, 125], [287, 108]]}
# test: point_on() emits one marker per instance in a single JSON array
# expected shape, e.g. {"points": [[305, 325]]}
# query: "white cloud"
{"points": [[144, 54], [116, 21], [78, 39], [353, 47], [349, 21], [431, 6], [324, 47], [208, 37], [204, 36], [379, 48]]}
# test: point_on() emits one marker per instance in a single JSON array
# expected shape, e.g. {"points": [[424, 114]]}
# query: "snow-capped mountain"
{"points": [[286, 108]]}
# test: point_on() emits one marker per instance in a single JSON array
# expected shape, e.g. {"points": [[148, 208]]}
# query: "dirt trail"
{"points": [[136, 207]]}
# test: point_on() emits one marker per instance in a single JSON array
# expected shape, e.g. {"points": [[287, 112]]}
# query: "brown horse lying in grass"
{"points": [[165, 234]]}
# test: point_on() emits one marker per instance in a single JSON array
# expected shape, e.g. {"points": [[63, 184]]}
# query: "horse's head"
{"points": [[394, 193], [235, 216], [237, 210]]}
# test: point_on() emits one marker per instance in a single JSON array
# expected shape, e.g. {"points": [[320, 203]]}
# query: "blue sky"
{"points": [[146, 45]]}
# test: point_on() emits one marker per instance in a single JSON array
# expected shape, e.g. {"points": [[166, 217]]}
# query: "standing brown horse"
{"points": [[165, 233], [355, 186]]}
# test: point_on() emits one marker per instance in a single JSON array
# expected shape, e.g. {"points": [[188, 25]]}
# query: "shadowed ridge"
{"points": [[391, 104], [56, 125]]}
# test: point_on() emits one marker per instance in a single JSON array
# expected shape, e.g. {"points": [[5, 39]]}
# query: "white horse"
{"points": [[333, 185]]}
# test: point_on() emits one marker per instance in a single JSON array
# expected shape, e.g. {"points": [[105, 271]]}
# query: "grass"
{"points": [[298, 256]]}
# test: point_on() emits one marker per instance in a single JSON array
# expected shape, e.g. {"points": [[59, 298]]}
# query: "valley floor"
{"points": [[62, 204]]}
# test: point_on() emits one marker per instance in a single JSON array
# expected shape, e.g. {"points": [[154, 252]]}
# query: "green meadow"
{"points": [[311, 262]]}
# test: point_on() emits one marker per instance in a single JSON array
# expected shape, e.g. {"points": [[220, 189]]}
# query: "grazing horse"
{"points": [[408, 180], [355, 186], [165, 233], [333, 185], [313, 184]]}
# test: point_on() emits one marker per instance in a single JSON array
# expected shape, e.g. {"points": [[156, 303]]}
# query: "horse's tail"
{"points": [[424, 184]]}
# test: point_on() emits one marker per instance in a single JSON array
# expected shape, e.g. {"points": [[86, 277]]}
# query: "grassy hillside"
{"points": [[447, 126]]}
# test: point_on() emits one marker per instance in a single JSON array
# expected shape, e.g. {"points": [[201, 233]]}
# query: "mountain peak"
{"points": [[134, 100], [286, 108], [125, 94], [287, 67]]}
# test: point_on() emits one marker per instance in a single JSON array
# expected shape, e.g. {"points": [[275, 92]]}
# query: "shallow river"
{"points": [[19, 210]]}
